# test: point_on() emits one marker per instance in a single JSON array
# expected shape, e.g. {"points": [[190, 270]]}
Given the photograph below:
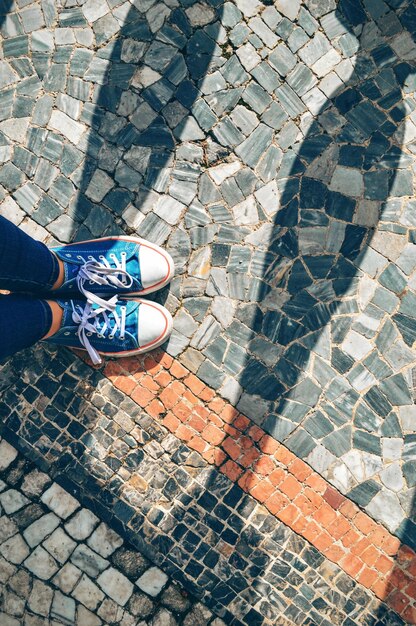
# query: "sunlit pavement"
{"points": [[264, 462]]}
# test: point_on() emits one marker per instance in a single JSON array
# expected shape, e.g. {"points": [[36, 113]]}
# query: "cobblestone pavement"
{"points": [[60, 565], [269, 146], [193, 522]]}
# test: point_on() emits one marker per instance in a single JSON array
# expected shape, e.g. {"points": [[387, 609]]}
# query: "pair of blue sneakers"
{"points": [[103, 312]]}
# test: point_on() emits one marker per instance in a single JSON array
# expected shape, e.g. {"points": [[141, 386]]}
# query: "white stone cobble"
{"points": [[14, 550], [115, 585], [69, 128], [41, 564], [81, 525], [59, 501], [88, 561], [59, 545], [104, 540], [7, 452], [86, 590], [248, 57], [12, 500], [15, 129], [41, 528], [67, 577], [289, 8], [94, 9], [152, 581]]}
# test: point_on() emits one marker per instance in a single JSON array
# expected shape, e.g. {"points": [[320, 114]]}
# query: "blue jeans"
{"points": [[26, 266]]}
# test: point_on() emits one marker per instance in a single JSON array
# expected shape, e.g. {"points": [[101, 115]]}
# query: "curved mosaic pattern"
{"points": [[219, 542], [271, 149]]}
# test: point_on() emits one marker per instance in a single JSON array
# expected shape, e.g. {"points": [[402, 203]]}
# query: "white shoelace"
{"points": [[100, 272], [89, 324]]}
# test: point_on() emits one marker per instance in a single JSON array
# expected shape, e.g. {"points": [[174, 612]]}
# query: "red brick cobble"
{"points": [[273, 475]]}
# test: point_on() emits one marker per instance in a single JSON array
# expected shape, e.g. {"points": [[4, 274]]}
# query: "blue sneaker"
{"points": [[122, 328], [103, 267]]}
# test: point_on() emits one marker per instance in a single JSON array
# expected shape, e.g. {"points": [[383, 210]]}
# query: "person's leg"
{"points": [[26, 265], [24, 321]]}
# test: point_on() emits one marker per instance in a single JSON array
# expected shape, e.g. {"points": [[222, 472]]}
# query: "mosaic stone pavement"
{"points": [[60, 565], [269, 146], [194, 523]]}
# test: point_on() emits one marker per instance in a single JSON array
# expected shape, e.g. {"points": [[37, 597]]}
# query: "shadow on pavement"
{"points": [[318, 246], [318, 249], [307, 265], [167, 502]]}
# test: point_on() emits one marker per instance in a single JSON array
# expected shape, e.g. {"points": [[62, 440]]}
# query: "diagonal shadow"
{"points": [[144, 109], [138, 156], [155, 491], [311, 261], [5, 10], [318, 250]]}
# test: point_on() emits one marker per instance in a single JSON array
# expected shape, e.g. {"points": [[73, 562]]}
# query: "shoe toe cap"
{"points": [[154, 324], [156, 266]]}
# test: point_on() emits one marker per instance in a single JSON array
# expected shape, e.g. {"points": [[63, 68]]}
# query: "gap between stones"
{"points": [[292, 492]]}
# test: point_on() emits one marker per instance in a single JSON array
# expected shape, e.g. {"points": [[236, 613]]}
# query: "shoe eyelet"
{"points": [[100, 336], [66, 334], [68, 255], [90, 282], [111, 337], [89, 334], [122, 338]]}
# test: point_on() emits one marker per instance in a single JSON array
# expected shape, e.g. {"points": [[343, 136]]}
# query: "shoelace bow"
{"points": [[89, 323], [102, 273]]}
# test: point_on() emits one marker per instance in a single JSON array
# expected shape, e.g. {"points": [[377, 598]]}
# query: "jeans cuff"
{"points": [[54, 271], [47, 316]]}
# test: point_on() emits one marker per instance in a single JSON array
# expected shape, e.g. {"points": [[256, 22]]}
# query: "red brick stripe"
{"points": [[273, 475]]}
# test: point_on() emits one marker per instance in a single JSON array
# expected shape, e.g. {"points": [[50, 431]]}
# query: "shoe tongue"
{"points": [[131, 310], [131, 321], [79, 306]]}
